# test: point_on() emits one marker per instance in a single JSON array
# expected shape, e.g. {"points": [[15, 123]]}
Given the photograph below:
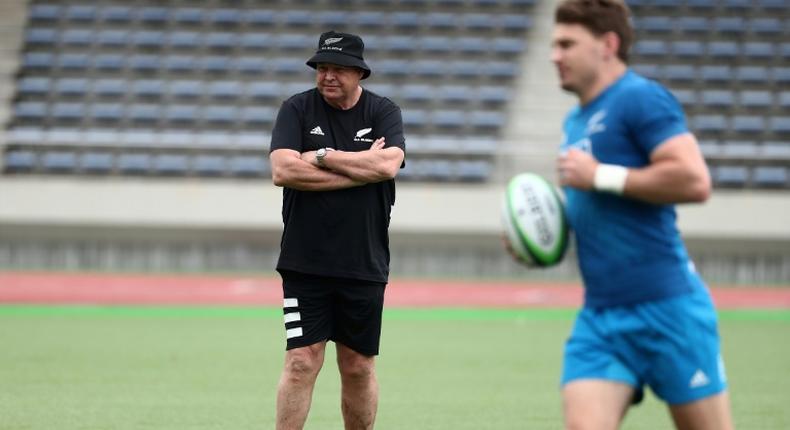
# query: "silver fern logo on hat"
{"points": [[343, 49]]}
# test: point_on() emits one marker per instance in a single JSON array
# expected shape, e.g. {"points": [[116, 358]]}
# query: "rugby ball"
{"points": [[533, 217]]}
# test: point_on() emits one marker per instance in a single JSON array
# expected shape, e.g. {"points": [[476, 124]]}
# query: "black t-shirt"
{"points": [[341, 233]]}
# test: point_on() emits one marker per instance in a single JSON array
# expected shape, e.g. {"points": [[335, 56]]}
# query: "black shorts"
{"points": [[319, 308]]}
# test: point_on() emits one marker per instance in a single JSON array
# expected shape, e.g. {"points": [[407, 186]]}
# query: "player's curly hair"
{"points": [[599, 17]]}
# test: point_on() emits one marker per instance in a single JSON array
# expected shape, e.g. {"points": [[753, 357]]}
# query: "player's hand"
{"points": [[377, 144], [576, 169], [309, 157]]}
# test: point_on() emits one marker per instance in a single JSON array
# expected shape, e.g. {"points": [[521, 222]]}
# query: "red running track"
{"points": [[115, 289]]}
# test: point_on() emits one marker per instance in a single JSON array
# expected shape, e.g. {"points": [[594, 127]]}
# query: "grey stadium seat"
{"points": [[770, 176]]}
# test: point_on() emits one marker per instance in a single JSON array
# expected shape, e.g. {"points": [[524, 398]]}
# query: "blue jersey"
{"points": [[629, 251]]}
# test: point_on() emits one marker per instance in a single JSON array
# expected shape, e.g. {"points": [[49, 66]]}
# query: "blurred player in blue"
{"points": [[626, 159]]}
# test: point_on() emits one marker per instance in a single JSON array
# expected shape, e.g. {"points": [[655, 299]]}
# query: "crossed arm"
{"points": [[341, 169], [676, 174]]}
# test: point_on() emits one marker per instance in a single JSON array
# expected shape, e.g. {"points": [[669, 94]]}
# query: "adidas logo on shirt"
{"points": [[317, 131], [699, 379]]}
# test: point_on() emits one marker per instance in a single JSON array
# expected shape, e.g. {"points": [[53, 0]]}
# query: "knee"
{"points": [[302, 364], [357, 368]]}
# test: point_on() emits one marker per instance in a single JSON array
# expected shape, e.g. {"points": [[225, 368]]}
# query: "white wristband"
{"points": [[610, 178]]}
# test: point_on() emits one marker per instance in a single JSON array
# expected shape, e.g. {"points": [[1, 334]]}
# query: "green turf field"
{"points": [[69, 368]]}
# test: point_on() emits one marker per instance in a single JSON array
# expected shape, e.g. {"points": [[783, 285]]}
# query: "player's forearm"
{"points": [[366, 166], [303, 176]]}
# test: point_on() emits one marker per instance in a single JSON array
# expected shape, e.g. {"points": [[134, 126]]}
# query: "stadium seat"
{"points": [[770, 176], [692, 24], [34, 86], [332, 19], [186, 89], [145, 63], [414, 118], [98, 136], [171, 164], [781, 75], [296, 18], [478, 21], [209, 165], [455, 94], [748, 124], [367, 18], [766, 26], [731, 176], [256, 41], [220, 115], [189, 16], [154, 15], [448, 118], [215, 64], [508, 45], [112, 38], [59, 161], [739, 150], [181, 114], [82, 13], [72, 87], [759, 50], [734, 25], [686, 98], [435, 44], [710, 123], [404, 20], [715, 74], [417, 93], [184, 39], [471, 45], [248, 165], [44, 12], [96, 162], [290, 41], [680, 73], [19, 161], [515, 23], [780, 125], [651, 48], [752, 74], [108, 112], [148, 39], [263, 90], [30, 110], [688, 48], [116, 14], [756, 99], [655, 24], [68, 111], [36, 61], [225, 17], [144, 113], [77, 37], [717, 98], [725, 50], [221, 41], [474, 171], [487, 120], [784, 100], [493, 94], [258, 115], [41, 37], [402, 44], [134, 163], [440, 20], [500, 69]]}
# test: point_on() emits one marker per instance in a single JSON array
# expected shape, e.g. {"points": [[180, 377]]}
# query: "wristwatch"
{"points": [[320, 154]]}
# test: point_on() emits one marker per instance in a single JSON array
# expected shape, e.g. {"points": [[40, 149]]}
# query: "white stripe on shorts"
{"points": [[292, 316], [293, 332], [290, 303]]}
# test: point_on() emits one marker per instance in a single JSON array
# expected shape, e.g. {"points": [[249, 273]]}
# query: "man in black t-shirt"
{"points": [[335, 150]]}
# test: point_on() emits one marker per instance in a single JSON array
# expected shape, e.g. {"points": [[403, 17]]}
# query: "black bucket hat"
{"points": [[343, 49]]}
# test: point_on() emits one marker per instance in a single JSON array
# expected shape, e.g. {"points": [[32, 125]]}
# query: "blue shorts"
{"points": [[670, 345]]}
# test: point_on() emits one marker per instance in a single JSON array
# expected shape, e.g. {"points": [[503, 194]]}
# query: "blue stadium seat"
{"points": [[333, 19], [186, 89], [177, 113], [221, 41], [392, 67], [112, 38], [508, 45], [181, 64], [770, 176], [215, 64], [296, 18], [780, 125], [288, 66], [692, 24], [465, 69], [748, 124], [680, 73], [184, 39], [175, 138], [100, 136], [710, 123], [479, 21], [367, 18], [291, 41], [766, 26], [225, 17], [400, 44], [65, 111], [148, 88], [145, 63], [38, 60], [255, 66], [65, 136], [256, 41], [717, 98], [474, 171], [414, 118], [148, 39], [688, 48], [258, 116], [756, 99], [116, 14], [500, 69], [655, 24], [731, 176], [741, 5], [225, 89], [145, 113], [134, 163], [249, 165], [752, 74], [404, 20], [784, 100], [96, 162], [729, 25], [41, 37], [209, 165], [417, 93], [77, 37], [493, 94], [385, 90], [775, 150], [440, 20], [773, 5], [260, 17], [81, 13], [487, 120], [171, 164], [515, 23], [72, 87], [428, 68], [781, 75], [435, 44], [18, 161], [220, 115], [108, 112], [726, 50], [114, 63], [263, 90], [651, 48], [471, 45], [45, 12], [715, 74], [189, 16], [59, 161], [34, 86], [739, 149], [455, 94], [448, 118], [686, 98], [759, 50], [138, 137], [154, 15], [30, 110]]}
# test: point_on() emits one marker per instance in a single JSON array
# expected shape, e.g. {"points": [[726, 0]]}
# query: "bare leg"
{"points": [[295, 390], [710, 413], [360, 395], [594, 404]]}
